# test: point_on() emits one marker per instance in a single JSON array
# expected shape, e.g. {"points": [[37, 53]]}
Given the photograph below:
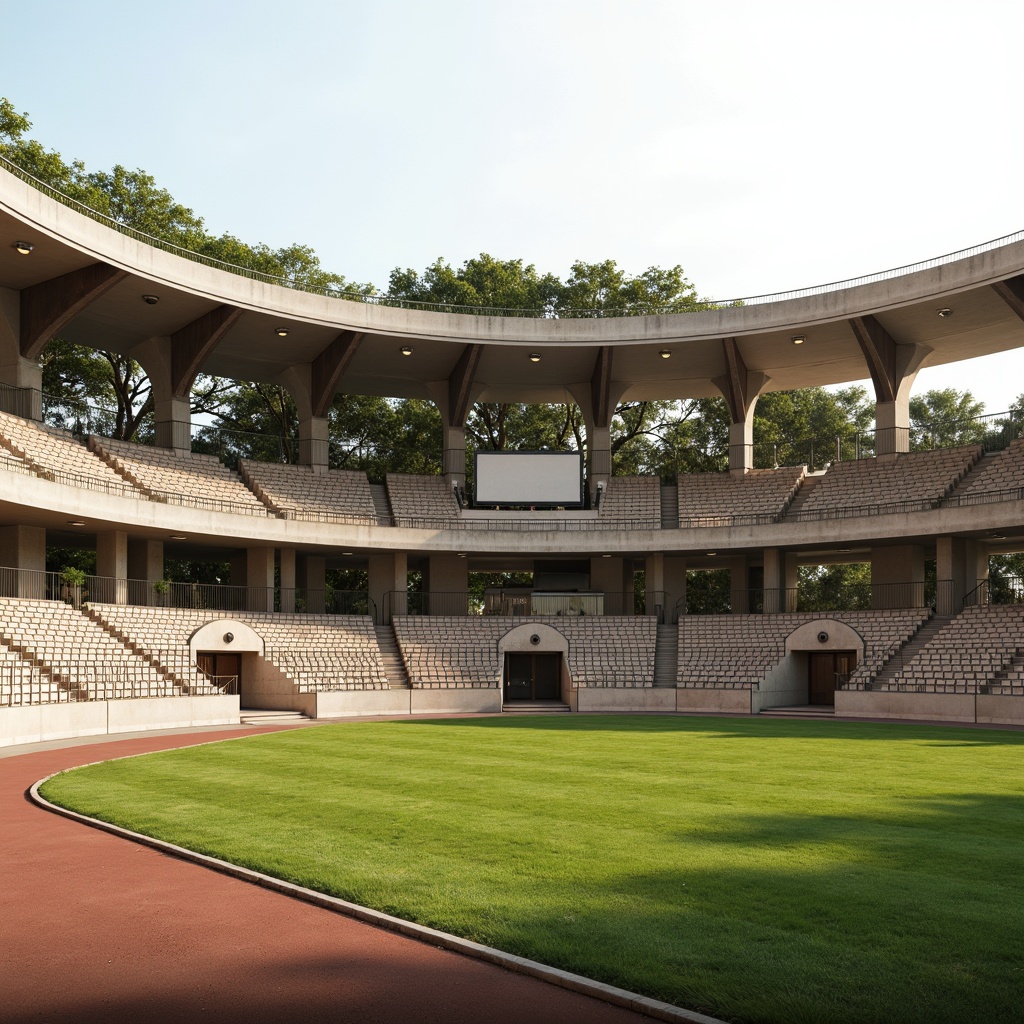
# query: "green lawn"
{"points": [[756, 870]]}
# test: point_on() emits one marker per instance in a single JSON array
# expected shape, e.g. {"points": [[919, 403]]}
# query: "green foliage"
{"points": [[825, 588], [755, 870], [945, 418], [708, 591]]}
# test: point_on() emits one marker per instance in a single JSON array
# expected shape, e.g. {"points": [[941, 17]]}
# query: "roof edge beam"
{"points": [[192, 344], [50, 305]]}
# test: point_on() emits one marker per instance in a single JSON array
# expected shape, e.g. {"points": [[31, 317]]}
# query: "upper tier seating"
{"points": [[317, 652], [200, 480], [714, 499], [915, 477], [970, 654], [997, 473], [420, 497], [305, 493], [635, 501], [462, 651], [52, 452], [738, 651], [79, 655]]}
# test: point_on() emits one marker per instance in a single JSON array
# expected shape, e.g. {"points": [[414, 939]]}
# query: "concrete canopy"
{"points": [[984, 292]]}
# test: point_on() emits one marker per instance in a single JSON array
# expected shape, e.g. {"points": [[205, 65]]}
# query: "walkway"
{"points": [[97, 929]]}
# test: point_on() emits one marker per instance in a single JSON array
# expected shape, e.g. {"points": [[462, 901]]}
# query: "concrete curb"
{"points": [[563, 979]]}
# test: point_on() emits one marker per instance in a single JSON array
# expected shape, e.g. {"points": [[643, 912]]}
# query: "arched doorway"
{"points": [[217, 650], [534, 664], [832, 650]]}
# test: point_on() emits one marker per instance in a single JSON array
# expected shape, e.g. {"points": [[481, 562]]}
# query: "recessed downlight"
{"points": [[798, 339], [281, 332], [24, 247], [76, 522], [150, 300], [665, 353], [534, 357], [406, 350], [944, 312], [177, 536]]}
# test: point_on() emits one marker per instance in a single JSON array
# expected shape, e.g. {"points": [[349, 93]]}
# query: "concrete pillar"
{"points": [[599, 458], [897, 576], [23, 548], [173, 423], [389, 584], [781, 577], [892, 426], [675, 588], [286, 569], [145, 563], [959, 565], [111, 567], [447, 575], [314, 444], [311, 578], [654, 585], [741, 444], [16, 371], [454, 457], [739, 583], [259, 579]]}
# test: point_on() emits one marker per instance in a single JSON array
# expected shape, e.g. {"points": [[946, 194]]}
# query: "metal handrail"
{"points": [[384, 300]]}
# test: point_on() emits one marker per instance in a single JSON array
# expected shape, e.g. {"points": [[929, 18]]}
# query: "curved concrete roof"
{"points": [[984, 320]]}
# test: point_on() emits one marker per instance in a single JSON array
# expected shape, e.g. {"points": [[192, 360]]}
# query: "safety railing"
{"points": [[511, 602], [541, 313], [997, 590]]}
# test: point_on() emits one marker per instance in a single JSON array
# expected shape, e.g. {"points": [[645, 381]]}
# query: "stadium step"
{"points": [[800, 711], [381, 505], [666, 656], [806, 489], [902, 658], [391, 657], [270, 716], [669, 507], [535, 707]]}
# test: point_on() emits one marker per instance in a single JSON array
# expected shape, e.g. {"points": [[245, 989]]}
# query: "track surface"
{"points": [[94, 928]]}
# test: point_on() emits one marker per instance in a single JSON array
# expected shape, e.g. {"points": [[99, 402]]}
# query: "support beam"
{"points": [[192, 344], [601, 387], [50, 305], [460, 385], [329, 367], [740, 388], [1011, 292], [893, 368]]}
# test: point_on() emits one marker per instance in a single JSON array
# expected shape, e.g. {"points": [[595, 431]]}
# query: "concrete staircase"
{"points": [[889, 672], [669, 507], [666, 656], [535, 707], [270, 716], [381, 505], [806, 489], [391, 656]]}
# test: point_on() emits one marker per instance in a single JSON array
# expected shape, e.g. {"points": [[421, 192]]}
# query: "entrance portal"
{"points": [[826, 670], [223, 669], [532, 676]]}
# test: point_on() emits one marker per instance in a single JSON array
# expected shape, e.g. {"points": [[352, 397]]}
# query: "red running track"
{"points": [[96, 928]]}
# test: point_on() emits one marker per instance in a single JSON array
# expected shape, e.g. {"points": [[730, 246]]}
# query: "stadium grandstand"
{"points": [[607, 622]]}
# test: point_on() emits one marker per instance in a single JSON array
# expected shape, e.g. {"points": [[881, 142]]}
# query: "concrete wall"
{"points": [[39, 722]]}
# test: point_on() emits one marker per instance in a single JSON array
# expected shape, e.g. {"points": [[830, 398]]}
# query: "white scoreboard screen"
{"points": [[529, 478]]}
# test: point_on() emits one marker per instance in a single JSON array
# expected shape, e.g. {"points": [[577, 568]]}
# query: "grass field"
{"points": [[756, 870]]}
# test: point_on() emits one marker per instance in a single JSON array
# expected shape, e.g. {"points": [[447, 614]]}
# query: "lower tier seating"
{"points": [[738, 651], [317, 652], [462, 651]]}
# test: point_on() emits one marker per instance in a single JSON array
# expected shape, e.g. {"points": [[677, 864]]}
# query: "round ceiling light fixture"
{"points": [[665, 353], [177, 536], [406, 350], [281, 332], [534, 357], [798, 339], [944, 312], [150, 300], [24, 247]]}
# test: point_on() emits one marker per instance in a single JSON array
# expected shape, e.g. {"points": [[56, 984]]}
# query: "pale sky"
{"points": [[761, 146]]}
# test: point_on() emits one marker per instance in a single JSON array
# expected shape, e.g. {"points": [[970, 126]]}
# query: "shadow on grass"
{"points": [[762, 728]]}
